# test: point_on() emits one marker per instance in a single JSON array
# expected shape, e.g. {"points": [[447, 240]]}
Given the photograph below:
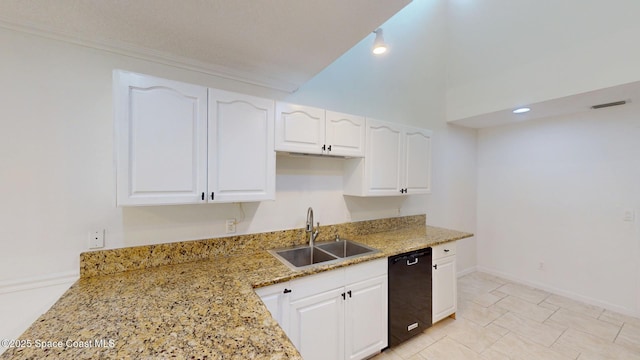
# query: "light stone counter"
{"points": [[204, 309]]}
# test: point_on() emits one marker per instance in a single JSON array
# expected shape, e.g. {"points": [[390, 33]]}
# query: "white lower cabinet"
{"points": [[317, 325], [276, 299], [366, 321], [338, 314], [444, 280]]}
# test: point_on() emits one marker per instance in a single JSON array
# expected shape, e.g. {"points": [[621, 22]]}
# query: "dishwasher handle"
{"points": [[412, 258], [399, 258]]}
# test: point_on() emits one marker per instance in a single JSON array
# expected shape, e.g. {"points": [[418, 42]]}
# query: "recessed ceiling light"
{"points": [[521, 110]]}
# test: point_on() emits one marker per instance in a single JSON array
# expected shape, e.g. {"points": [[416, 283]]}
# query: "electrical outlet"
{"points": [[96, 239], [629, 215], [231, 226]]}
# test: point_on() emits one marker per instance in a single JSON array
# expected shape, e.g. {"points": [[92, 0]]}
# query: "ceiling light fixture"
{"points": [[521, 110], [379, 46]]}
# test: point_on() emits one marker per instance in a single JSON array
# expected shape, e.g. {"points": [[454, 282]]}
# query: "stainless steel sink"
{"points": [[301, 257], [304, 256], [346, 248]]}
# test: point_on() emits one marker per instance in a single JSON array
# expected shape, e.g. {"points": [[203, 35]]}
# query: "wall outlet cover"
{"points": [[96, 239], [629, 215], [231, 226]]}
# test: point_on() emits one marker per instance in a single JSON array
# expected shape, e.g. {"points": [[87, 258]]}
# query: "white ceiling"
{"points": [[556, 107], [275, 43]]}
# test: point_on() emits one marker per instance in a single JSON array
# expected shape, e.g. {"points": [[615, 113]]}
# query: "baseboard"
{"points": [[561, 292], [466, 271], [37, 282]]}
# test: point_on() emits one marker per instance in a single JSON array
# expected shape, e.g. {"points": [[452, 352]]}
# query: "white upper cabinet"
{"points": [[161, 140], [241, 158], [299, 129], [344, 134], [417, 160], [308, 130], [397, 162], [170, 152], [384, 155]]}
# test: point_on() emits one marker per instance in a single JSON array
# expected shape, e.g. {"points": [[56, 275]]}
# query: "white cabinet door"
{"points": [[444, 287], [317, 325], [383, 158], [276, 299], [417, 161], [241, 157], [397, 162], [161, 140], [299, 129], [344, 134], [328, 320], [366, 318]]}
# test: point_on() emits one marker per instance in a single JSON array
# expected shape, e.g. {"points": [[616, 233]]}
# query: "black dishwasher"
{"points": [[409, 295]]}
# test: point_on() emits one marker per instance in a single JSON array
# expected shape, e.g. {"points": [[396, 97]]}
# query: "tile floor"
{"points": [[499, 319]]}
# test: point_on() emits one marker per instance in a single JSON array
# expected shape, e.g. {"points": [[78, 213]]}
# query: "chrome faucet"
{"points": [[312, 233]]}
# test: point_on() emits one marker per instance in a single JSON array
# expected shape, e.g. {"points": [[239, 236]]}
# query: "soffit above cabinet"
{"points": [[277, 43], [572, 104]]}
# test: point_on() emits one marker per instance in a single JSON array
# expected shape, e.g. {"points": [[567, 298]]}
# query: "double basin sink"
{"points": [[301, 257]]}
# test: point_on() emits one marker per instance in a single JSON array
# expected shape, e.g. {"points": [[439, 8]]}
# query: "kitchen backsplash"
{"points": [[112, 261]]}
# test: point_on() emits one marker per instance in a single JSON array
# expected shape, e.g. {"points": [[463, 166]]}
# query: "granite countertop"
{"points": [[203, 309]]}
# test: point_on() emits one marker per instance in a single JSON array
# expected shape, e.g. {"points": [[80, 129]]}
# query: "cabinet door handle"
{"points": [[349, 292], [324, 147], [203, 196], [446, 250], [212, 195], [286, 291], [344, 296], [435, 266], [329, 148]]}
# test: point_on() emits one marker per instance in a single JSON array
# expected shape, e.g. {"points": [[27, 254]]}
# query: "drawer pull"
{"points": [[446, 250]]}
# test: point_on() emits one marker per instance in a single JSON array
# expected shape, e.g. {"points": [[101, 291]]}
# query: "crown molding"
{"points": [[125, 49]]}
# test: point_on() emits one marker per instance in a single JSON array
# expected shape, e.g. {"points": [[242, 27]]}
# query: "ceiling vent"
{"points": [[615, 103]]}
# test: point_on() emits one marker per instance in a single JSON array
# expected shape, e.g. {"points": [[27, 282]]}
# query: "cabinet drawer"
{"points": [[365, 270], [442, 250], [315, 284]]}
